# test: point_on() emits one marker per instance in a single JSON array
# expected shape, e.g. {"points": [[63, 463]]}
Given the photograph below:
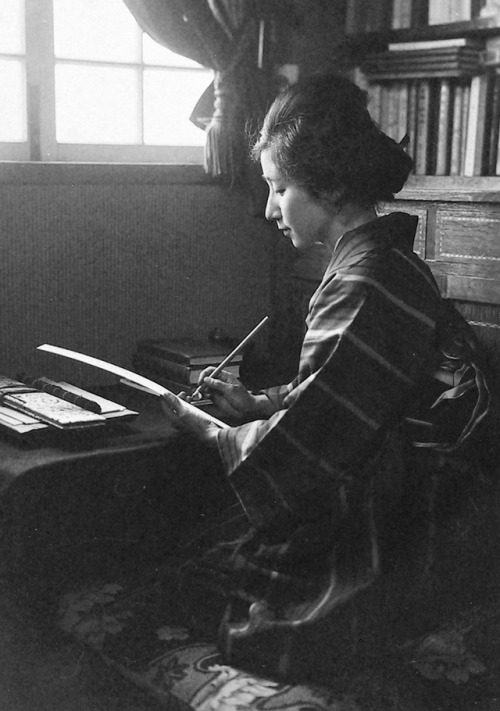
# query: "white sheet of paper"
{"points": [[146, 383]]}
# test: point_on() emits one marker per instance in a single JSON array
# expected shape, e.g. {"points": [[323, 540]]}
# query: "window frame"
{"points": [[41, 144]]}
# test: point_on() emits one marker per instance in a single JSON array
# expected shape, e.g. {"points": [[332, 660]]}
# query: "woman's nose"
{"points": [[272, 210]]}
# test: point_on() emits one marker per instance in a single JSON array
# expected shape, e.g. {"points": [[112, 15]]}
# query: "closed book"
{"points": [[374, 101], [174, 371], [444, 128], [465, 121], [435, 44], [393, 112], [419, 13], [423, 121], [456, 131], [187, 351], [402, 128], [401, 14], [492, 126], [439, 12], [473, 164], [412, 118]]}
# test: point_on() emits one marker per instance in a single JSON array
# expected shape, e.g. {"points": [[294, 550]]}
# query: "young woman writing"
{"points": [[381, 347]]}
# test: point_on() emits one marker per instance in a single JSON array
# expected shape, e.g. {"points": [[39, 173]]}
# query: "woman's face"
{"points": [[300, 216]]}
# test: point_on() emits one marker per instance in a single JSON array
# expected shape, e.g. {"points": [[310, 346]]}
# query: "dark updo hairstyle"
{"points": [[321, 136]]}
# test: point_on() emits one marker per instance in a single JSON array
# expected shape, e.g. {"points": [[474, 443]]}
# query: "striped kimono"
{"points": [[377, 330]]}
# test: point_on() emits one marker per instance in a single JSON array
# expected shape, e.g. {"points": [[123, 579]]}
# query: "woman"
{"points": [[381, 347]]}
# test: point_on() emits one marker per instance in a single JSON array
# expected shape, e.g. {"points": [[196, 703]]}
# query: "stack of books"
{"points": [[177, 364], [434, 58], [41, 405]]}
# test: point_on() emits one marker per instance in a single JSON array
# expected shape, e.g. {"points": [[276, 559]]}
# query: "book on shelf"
{"points": [[474, 146], [401, 14], [422, 166], [457, 130], [492, 121], [443, 12], [186, 351], [186, 374], [444, 128], [408, 13]]}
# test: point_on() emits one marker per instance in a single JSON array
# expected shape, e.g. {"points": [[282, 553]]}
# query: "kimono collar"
{"points": [[396, 229]]}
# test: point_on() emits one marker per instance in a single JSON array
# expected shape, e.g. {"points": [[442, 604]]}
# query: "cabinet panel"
{"points": [[468, 233], [472, 289]]}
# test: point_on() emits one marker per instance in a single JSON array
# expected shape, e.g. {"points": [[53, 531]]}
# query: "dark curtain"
{"points": [[226, 35]]}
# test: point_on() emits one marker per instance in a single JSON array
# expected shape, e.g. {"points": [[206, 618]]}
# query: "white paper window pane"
{"points": [[98, 104], [169, 99], [155, 53], [13, 116], [101, 30], [12, 27]]}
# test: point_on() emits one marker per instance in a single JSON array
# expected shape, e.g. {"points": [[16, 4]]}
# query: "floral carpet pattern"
{"points": [[456, 668]]}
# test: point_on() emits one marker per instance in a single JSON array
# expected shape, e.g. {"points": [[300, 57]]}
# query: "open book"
{"points": [[128, 377], [29, 404]]}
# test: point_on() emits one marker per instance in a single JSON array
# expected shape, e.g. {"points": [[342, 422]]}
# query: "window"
{"points": [[80, 81]]}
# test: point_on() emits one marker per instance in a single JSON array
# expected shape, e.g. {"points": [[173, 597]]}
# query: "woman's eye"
{"points": [[280, 191]]}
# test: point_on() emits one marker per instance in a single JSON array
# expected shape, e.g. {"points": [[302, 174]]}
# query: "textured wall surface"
{"points": [[95, 267]]}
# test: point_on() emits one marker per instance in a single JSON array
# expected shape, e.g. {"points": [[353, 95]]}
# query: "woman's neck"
{"points": [[348, 219]]}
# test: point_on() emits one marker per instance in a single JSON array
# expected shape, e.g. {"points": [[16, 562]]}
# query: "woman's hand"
{"points": [[228, 394], [188, 418]]}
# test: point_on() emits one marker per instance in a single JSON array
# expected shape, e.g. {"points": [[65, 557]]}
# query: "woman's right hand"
{"points": [[230, 396]]}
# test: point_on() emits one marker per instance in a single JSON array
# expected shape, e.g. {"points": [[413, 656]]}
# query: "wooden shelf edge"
{"points": [[439, 188], [479, 26]]}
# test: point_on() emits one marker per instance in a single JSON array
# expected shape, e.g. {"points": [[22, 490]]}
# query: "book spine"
{"points": [[412, 118], [456, 131], [393, 111], [404, 89], [475, 126], [465, 122], [493, 126], [422, 140], [375, 101], [443, 152], [58, 391], [171, 355], [419, 13], [438, 12], [460, 10], [384, 108], [174, 371], [400, 15]]}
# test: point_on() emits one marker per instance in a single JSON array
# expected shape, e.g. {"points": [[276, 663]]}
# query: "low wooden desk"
{"points": [[106, 498]]}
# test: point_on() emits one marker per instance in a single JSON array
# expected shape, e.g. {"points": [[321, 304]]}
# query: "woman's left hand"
{"points": [[185, 417]]}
